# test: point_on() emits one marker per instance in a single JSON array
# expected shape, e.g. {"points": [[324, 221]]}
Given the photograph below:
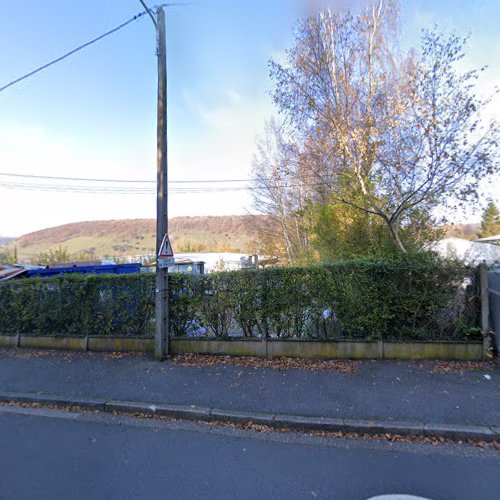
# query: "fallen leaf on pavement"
{"points": [[200, 360]]}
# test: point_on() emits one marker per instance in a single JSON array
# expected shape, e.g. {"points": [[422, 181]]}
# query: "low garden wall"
{"points": [[404, 307], [344, 349]]}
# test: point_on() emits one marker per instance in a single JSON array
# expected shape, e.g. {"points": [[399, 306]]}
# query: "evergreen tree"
{"points": [[490, 223]]}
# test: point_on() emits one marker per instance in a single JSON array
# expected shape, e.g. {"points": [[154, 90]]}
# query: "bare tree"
{"points": [[389, 134], [279, 194]]}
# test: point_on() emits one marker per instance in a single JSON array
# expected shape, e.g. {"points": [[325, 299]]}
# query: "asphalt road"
{"points": [[49, 454]]}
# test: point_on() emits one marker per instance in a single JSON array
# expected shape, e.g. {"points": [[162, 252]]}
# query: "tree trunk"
{"points": [[394, 232]]}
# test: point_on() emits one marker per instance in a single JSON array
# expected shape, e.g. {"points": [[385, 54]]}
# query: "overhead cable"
{"points": [[71, 52], [131, 181], [64, 188], [94, 40]]}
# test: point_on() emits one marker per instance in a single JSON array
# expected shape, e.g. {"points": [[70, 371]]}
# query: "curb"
{"points": [[292, 422]]}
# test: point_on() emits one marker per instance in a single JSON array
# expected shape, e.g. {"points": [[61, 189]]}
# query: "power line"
{"points": [[122, 186], [64, 188], [149, 12], [69, 188], [71, 52], [100, 37], [192, 185], [128, 181], [50, 177]]}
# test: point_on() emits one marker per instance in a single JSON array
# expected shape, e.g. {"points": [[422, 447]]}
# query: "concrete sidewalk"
{"points": [[377, 391]]}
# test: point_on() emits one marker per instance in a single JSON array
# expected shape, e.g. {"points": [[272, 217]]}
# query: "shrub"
{"points": [[407, 297], [78, 305]]}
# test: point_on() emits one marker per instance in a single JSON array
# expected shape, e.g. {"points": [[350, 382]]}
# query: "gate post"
{"points": [[485, 309]]}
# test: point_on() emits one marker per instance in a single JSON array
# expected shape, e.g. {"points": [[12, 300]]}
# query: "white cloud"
{"points": [[233, 96], [224, 137], [219, 146]]}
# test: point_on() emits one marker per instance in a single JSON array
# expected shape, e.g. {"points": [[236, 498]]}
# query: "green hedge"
{"points": [[404, 298], [78, 305]]}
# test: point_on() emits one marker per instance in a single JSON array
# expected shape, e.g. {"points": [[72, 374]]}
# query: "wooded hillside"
{"points": [[137, 236]]}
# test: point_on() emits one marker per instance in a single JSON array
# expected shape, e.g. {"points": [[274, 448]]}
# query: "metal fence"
{"points": [[494, 301]]}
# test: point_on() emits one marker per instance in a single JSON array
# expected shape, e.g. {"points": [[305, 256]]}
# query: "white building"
{"points": [[221, 261], [471, 252]]}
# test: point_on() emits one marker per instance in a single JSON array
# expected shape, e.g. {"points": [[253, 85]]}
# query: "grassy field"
{"points": [[118, 238]]}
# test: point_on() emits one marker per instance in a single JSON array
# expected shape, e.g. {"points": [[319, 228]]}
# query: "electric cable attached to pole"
{"points": [[71, 52], [90, 42]]}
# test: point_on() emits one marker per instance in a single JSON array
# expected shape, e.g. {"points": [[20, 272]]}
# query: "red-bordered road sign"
{"points": [[166, 250]]}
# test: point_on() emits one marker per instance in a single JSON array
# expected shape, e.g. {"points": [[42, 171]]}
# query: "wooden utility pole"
{"points": [[161, 295]]}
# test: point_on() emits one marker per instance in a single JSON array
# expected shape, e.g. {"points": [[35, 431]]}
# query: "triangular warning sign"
{"points": [[166, 250]]}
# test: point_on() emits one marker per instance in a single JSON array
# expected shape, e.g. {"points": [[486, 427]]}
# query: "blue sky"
{"points": [[94, 114]]}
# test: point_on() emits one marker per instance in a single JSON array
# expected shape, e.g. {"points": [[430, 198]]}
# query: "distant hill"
{"points": [[465, 231], [114, 238], [119, 238]]}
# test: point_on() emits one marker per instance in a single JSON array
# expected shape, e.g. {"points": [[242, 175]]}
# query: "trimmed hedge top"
{"points": [[409, 297]]}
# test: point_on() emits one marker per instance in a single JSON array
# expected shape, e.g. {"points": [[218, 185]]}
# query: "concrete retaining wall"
{"points": [[469, 351], [67, 343], [463, 352], [323, 350], [106, 344], [9, 341], [228, 347], [121, 344], [332, 350]]}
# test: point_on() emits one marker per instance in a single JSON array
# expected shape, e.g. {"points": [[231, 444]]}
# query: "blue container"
{"points": [[104, 269]]}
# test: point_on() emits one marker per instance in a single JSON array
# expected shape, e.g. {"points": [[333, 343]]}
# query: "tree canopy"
{"points": [[374, 138], [490, 223]]}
